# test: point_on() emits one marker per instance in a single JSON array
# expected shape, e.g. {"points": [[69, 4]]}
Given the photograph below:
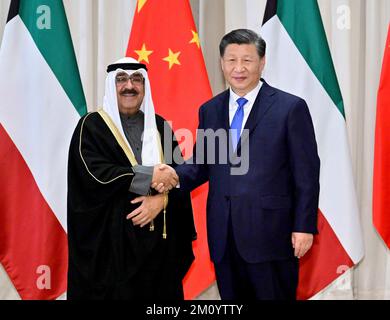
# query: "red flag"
{"points": [[381, 186], [164, 37]]}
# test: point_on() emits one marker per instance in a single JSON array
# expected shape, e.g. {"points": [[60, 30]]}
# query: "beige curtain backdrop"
{"points": [[356, 31]]}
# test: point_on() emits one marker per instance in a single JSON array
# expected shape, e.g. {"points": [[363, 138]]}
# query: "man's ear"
{"points": [[262, 64], [221, 61]]}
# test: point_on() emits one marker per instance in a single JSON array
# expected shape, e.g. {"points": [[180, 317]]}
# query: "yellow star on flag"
{"points": [[141, 4], [195, 38], [172, 58], [143, 54]]}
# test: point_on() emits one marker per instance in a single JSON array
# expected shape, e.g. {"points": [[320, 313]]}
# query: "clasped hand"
{"points": [[150, 207], [164, 178]]}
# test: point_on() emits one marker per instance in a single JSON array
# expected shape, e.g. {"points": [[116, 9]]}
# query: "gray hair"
{"points": [[243, 36]]}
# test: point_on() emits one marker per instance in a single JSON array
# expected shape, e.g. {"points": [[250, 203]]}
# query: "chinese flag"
{"points": [[164, 37], [381, 186]]}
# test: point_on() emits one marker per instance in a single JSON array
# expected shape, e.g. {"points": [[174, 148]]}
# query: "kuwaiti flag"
{"points": [[298, 60], [41, 101]]}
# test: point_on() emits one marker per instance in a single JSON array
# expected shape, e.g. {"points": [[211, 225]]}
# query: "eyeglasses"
{"points": [[136, 79]]}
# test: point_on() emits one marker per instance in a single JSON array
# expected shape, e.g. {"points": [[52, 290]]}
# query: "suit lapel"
{"points": [[223, 112], [223, 118], [262, 104]]}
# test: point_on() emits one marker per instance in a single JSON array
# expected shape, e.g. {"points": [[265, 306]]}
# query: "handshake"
{"points": [[164, 178]]}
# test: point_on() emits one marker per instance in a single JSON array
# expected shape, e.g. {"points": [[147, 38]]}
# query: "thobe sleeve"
{"points": [[142, 180]]}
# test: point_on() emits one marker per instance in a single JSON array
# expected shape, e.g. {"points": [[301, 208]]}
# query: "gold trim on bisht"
{"points": [[130, 155], [118, 136], [85, 163]]}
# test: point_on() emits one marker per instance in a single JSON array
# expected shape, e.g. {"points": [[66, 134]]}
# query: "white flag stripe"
{"points": [[337, 191], [24, 105]]}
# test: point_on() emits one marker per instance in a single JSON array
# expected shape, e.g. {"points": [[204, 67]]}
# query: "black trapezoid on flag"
{"points": [[13, 10], [270, 10]]}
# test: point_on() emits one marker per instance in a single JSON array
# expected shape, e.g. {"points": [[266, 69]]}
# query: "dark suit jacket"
{"points": [[279, 193]]}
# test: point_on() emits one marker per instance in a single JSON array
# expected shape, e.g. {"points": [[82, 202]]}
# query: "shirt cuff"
{"points": [[142, 180]]}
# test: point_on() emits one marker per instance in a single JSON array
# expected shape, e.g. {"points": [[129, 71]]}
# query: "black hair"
{"points": [[243, 36]]}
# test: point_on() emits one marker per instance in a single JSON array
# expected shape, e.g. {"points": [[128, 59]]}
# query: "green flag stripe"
{"points": [[302, 20], [48, 26]]}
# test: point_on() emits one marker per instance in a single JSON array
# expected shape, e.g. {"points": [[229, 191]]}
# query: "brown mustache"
{"points": [[129, 91]]}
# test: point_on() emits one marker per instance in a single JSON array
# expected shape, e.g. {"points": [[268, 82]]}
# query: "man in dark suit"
{"points": [[260, 218]]}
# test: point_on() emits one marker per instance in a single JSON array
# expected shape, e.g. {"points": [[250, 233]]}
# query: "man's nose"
{"points": [[129, 84], [239, 67]]}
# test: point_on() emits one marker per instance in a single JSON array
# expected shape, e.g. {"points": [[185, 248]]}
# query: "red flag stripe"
{"points": [[33, 244], [320, 267], [381, 183], [201, 273]]}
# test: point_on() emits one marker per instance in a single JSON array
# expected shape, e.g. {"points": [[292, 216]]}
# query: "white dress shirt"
{"points": [[233, 105]]}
